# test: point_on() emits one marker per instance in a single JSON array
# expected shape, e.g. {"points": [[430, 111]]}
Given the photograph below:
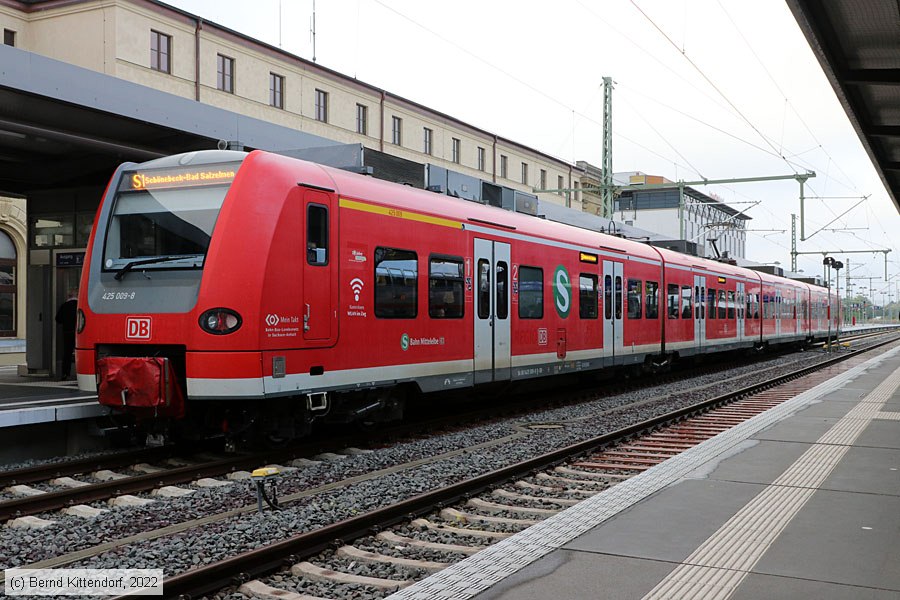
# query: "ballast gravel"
{"points": [[215, 541]]}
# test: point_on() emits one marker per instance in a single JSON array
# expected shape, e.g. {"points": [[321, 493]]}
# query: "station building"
{"points": [[89, 84], [694, 222]]}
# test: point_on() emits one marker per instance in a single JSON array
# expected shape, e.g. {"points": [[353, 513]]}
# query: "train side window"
{"points": [[699, 296], [686, 302], [587, 296], [607, 297], [502, 290], [634, 298], [396, 277], [739, 305], [484, 289], [723, 307], [317, 234], [652, 297], [445, 287], [531, 293], [618, 297], [710, 303], [672, 300]]}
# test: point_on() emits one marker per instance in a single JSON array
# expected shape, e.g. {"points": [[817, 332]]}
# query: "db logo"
{"points": [[272, 320], [137, 328]]}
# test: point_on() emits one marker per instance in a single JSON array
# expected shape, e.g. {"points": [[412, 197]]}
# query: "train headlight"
{"points": [[220, 321], [79, 321]]}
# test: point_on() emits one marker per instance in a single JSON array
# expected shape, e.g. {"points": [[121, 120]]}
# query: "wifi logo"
{"points": [[356, 286]]}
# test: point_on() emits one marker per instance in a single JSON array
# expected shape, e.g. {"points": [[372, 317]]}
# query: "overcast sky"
{"points": [[712, 89]]}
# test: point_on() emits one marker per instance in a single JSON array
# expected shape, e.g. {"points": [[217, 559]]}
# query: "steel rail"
{"points": [[248, 565]]}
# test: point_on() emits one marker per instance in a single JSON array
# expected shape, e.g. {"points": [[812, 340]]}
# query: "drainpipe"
{"points": [[494, 160], [197, 59], [381, 141]]}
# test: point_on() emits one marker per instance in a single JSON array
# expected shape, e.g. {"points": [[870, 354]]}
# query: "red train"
{"points": [[265, 292]]}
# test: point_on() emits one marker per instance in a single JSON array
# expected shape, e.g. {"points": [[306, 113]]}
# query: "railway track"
{"points": [[471, 514], [118, 477], [244, 508]]}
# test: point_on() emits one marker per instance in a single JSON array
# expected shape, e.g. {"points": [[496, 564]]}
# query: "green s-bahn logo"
{"points": [[404, 342], [562, 292]]}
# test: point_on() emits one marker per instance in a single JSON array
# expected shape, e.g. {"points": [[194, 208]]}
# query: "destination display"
{"points": [[133, 181]]}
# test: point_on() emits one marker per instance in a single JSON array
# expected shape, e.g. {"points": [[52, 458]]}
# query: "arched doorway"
{"points": [[8, 286]]}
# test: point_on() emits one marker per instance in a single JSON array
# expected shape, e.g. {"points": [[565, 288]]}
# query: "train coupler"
{"points": [[317, 402]]}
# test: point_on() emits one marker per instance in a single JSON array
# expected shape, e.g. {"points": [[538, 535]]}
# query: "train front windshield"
{"points": [[164, 218]]}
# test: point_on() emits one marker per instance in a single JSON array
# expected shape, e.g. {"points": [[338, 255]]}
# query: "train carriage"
{"points": [[268, 292]]}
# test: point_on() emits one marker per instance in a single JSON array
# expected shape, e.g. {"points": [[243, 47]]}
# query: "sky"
{"points": [[703, 89]]}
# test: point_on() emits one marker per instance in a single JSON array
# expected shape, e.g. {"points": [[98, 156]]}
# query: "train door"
{"points": [[778, 312], [739, 312], [612, 308], [319, 269], [699, 312], [492, 322]]}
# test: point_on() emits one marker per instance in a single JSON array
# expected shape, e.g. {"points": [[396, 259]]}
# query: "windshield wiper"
{"points": [[147, 261]]}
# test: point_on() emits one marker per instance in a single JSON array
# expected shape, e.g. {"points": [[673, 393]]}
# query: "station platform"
{"points": [[802, 501], [28, 400]]}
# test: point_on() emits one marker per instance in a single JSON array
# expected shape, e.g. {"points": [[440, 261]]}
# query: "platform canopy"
{"points": [[857, 43]]}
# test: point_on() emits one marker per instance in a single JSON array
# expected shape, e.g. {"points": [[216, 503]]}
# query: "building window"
{"points": [[543, 181], [9, 37], [321, 106], [426, 146], [362, 119], [560, 184], [525, 173], [455, 150], [225, 73], [7, 286], [480, 157], [504, 164], [276, 90], [160, 51], [396, 130]]}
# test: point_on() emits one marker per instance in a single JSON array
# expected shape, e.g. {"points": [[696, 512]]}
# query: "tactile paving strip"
{"points": [[483, 570]]}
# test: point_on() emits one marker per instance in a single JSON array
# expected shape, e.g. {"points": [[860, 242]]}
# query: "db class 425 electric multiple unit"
{"points": [[232, 293]]}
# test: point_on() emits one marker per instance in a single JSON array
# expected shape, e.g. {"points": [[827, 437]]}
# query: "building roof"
{"points": [[857, 42]]}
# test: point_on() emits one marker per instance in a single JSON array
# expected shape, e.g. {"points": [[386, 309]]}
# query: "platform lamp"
{"points": [[828, 262], [837, 266]]}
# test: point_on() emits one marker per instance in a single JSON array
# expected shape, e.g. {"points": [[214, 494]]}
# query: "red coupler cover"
{"points": [[145, 386]]}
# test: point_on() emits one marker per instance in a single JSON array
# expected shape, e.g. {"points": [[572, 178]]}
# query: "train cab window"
{"points": [[587, 296], [686, 302], [531, 293], [502, 290], [445, 287], [672, 308], [317, 234], [710, 303], [607, 297], [723, 307], [634, 298], [652, 298], [484, 289], [396, 277]]}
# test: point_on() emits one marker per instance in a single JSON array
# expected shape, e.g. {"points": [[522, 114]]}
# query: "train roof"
{"points": [[410, 198]]}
